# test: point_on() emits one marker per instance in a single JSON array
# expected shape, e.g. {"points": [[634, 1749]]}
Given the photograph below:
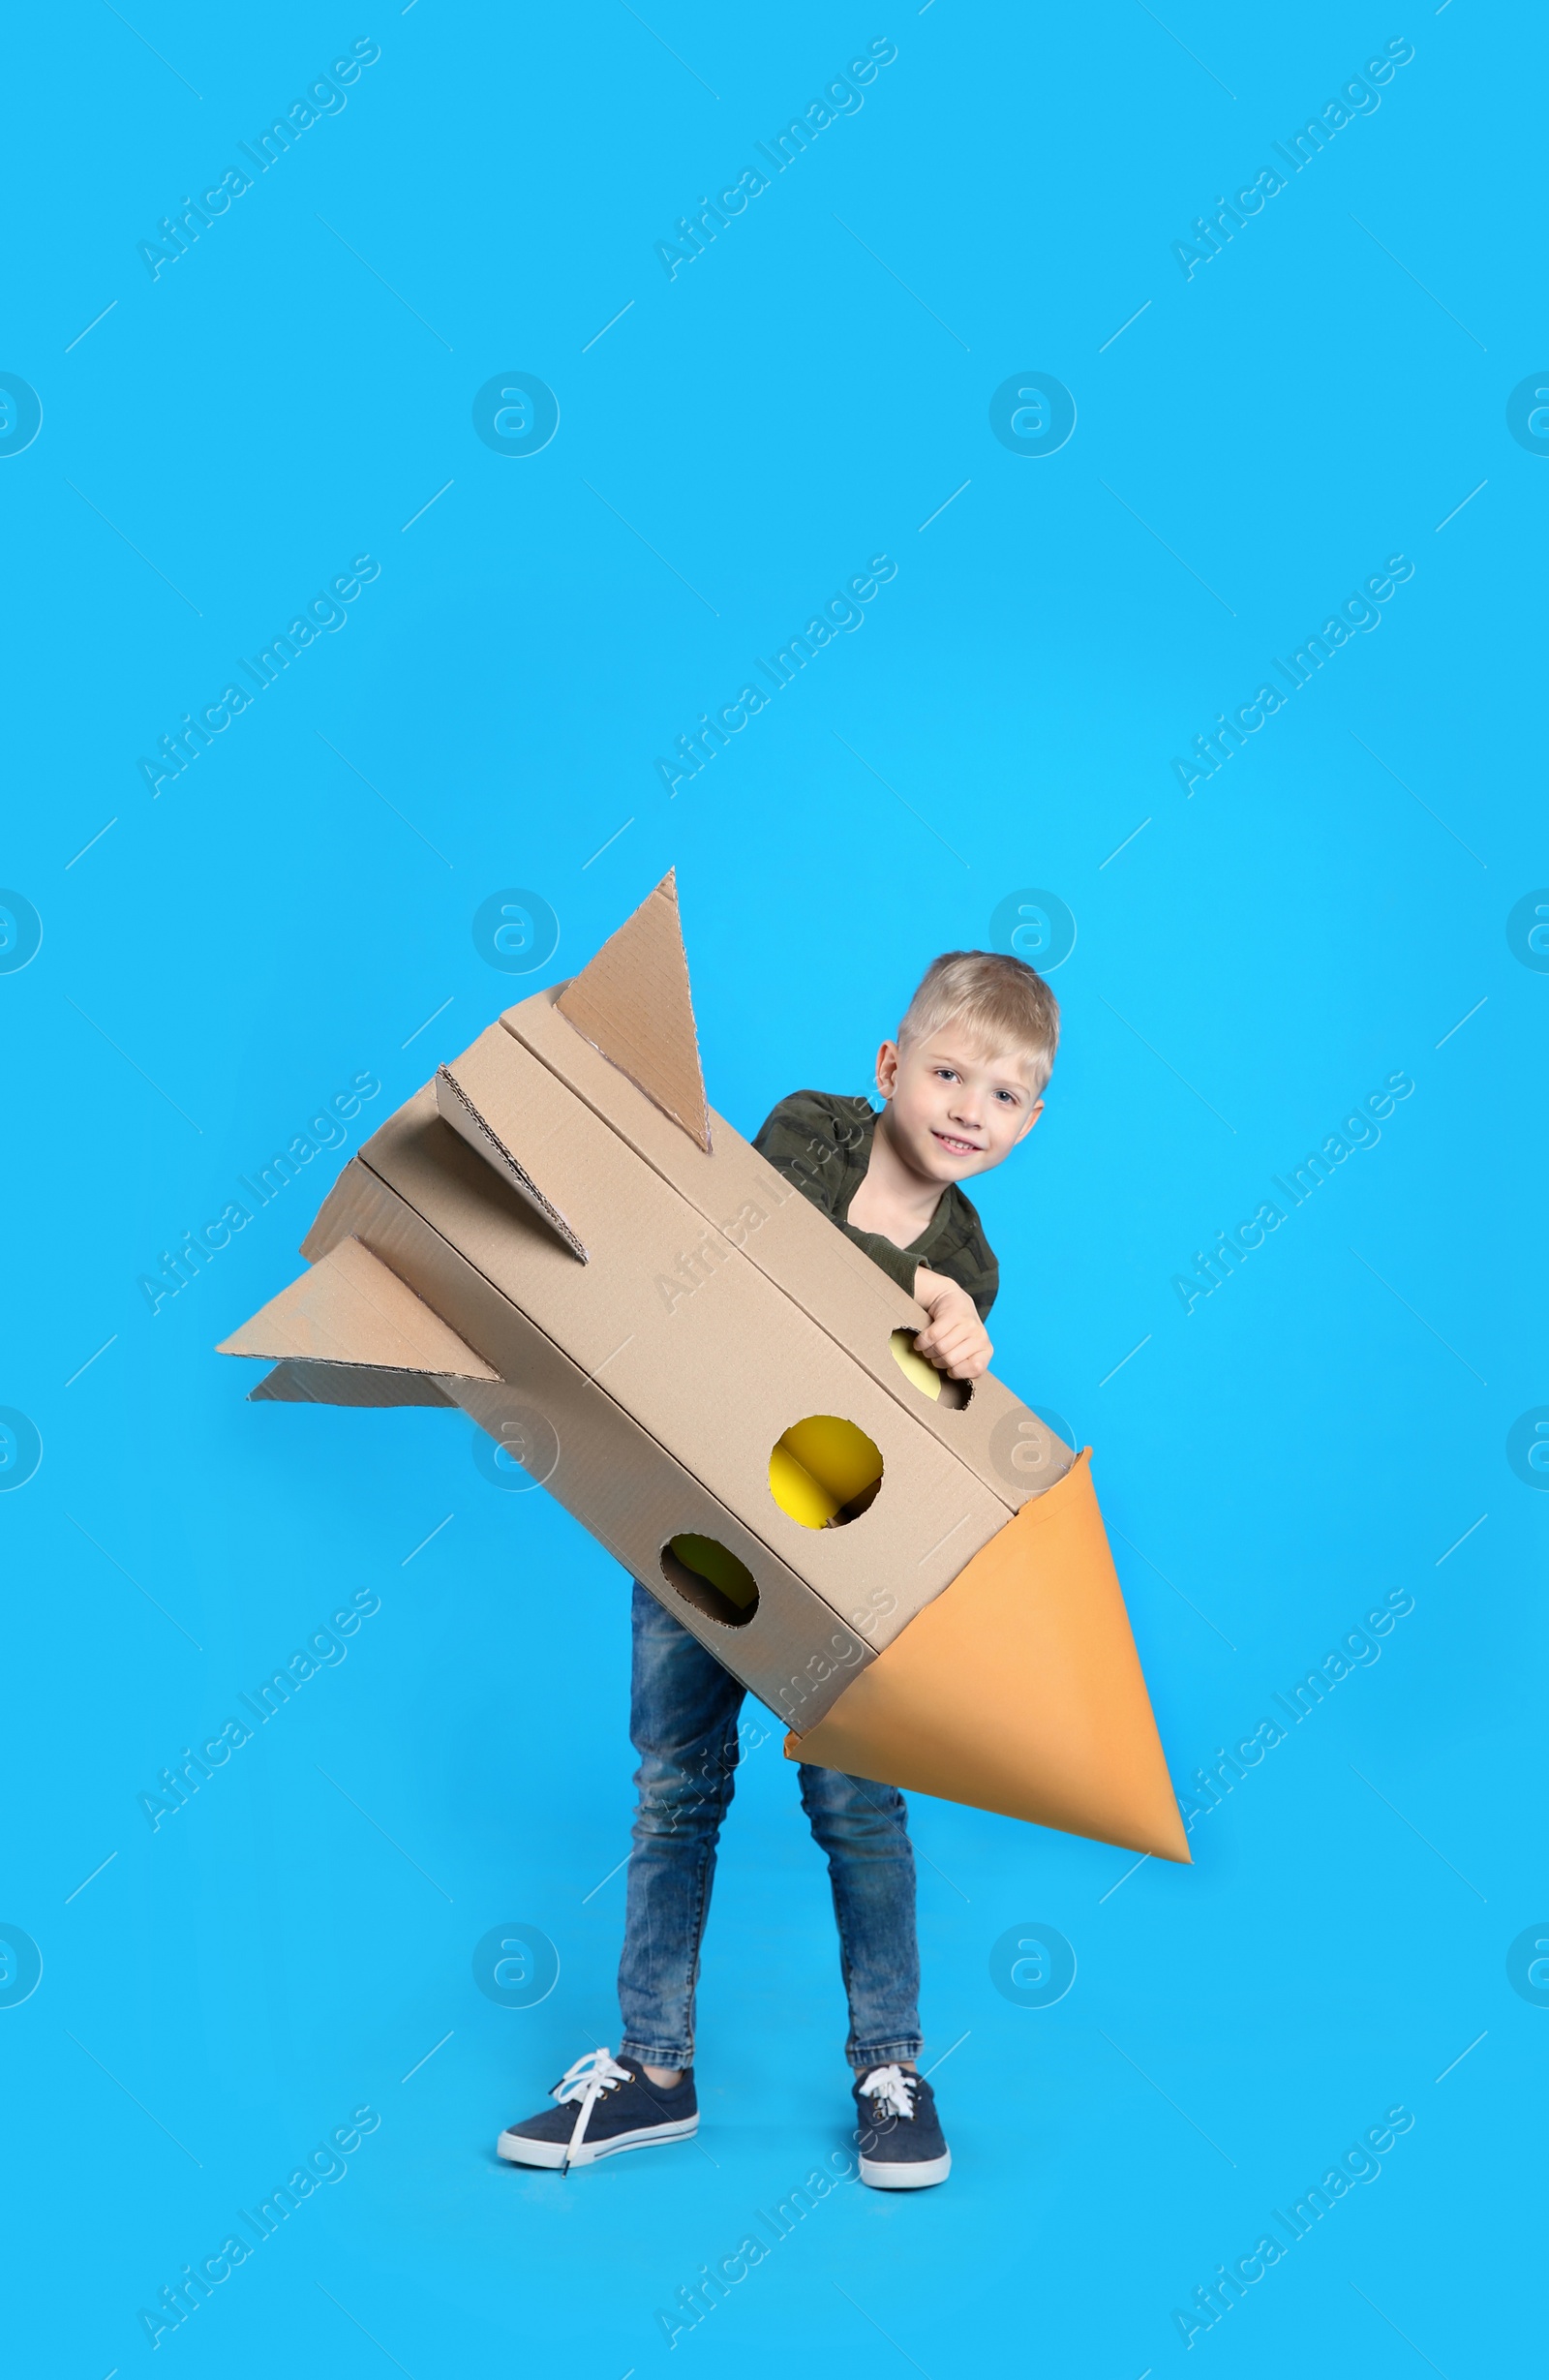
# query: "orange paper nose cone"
{"points": [[1018, 1690]]}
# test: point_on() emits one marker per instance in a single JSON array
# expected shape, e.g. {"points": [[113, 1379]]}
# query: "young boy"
{"points": [[961, 1086]]}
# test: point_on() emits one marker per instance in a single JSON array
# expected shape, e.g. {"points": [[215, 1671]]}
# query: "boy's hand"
{"points": [[955, 1339]]}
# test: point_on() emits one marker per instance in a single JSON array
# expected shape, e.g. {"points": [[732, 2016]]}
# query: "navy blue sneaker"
{"points": [[899, 2134], [602, 2104]]}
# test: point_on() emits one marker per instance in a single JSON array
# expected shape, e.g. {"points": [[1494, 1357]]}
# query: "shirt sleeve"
{"points": [[807, 1139], [984, 1286]]}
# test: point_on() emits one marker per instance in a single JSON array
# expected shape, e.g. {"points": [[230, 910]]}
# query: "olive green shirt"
{"points": [[822, 1143]]}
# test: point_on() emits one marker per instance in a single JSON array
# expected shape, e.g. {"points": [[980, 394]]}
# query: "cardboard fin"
{"points": [[350, 1309], [455, 1106], [346, 1383], [633, 1004], [1019, 1689]]}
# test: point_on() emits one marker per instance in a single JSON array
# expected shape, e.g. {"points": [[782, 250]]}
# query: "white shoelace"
{"points": [[586, 2082], [890, 2091]]}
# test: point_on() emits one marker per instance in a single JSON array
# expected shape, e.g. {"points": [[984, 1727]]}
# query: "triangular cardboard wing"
{"points": [[633, 1004], [476, 1102], [1019, 1689], [350, 1309]]}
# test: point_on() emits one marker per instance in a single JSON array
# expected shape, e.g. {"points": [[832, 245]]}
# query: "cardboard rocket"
{"points": [[557, 1235]]}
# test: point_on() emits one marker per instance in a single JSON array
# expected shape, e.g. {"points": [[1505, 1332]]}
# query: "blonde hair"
{"points": [[1001, 1002]]}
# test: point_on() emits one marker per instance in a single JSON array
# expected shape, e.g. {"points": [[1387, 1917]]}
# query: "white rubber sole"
{"points": [[895, 2176], [517, 2150]]}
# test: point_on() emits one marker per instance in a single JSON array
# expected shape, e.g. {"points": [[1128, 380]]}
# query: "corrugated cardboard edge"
{"points": [[634, 993], [456, 1109], [365, 1384], [1019, 1689]]}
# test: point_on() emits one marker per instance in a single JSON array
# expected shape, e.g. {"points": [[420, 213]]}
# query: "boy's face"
{"points": [[954, 1110]]}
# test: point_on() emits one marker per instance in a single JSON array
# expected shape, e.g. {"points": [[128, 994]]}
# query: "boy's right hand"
{"points": [[955, 1339]]}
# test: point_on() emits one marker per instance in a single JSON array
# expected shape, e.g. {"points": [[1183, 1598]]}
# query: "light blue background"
{"points": [[1321, 913]]}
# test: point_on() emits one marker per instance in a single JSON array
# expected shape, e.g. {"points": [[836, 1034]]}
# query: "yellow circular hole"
{"points": [[708, 1574], [950, 1394], [914, 1366], [824, 1472]]}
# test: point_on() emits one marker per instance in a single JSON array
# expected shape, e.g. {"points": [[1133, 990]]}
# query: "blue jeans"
{"points": [[683, 1725]]}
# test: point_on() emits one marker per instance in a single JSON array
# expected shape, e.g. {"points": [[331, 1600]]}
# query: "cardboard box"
{"points": [[559, 1237]]}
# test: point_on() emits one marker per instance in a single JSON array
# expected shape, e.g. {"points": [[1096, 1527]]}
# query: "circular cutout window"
{"points": [[824, 1472], [951, 1395], [708, 1574]]}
